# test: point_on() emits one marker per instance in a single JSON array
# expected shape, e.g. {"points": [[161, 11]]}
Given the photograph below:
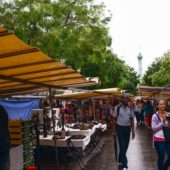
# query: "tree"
{"points": [[72, 31], [158, 73], [113, 72], [69, 30]]}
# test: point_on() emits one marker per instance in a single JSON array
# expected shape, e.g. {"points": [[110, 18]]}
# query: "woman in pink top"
{"points": [[162, 147]]}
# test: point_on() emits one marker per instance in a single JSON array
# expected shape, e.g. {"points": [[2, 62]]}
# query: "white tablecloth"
{"points": [[103, 126], [81, 143], [50, 142], [88, 132], [72, 131]]}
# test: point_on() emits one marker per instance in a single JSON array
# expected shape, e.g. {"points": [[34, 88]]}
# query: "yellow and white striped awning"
{"points": [[91, 94], [25, 69]]}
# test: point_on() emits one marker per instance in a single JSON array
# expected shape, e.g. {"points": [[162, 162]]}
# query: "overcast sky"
{"points": [[139, 26]]}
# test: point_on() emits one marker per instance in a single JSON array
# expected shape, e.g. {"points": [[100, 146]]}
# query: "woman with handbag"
{"points": [[162, 146]]}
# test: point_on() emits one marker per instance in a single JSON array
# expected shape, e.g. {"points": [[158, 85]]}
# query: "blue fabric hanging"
{"points": [[20, 109]]}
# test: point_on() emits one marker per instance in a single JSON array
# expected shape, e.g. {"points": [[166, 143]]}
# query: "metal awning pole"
{"points": [[161, 94], [94, 110], [53, 126]]}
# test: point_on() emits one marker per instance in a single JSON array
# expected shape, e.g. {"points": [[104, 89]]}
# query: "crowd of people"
{"points": [[154, 114], [150, 113], [123, 112]]}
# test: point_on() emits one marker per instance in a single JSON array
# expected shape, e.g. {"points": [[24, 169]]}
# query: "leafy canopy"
{"points": [[158, 73], [72, 31]]}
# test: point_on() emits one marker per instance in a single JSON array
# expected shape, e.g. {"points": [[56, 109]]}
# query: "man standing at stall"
{"points": [[4, 140], [123, 125]]}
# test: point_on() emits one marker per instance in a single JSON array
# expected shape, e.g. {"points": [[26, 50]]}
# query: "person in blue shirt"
{"points": [[123, 120], [148, 112]]}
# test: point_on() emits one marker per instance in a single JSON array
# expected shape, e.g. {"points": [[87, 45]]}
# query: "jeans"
{"points": [[4, 160], [123, 134], [161, 149], [142, 116], [137, 114]]}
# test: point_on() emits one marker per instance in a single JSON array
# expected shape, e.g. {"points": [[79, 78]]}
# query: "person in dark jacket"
{"points": [[4, 140]]}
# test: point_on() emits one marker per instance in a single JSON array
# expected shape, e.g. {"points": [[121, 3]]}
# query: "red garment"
{"points": [[101, 114], [67, 104], [90, 110], [148, 120]]}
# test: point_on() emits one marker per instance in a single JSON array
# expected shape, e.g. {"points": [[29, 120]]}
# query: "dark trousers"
{"points": [[142, 115], [161, 149], [4, 160], [137, 114], [123, 134]]}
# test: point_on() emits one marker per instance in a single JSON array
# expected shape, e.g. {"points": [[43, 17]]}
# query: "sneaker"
{"points": [[124, 167], [119, 164]]}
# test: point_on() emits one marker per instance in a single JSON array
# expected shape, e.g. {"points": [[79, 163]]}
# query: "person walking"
{"points": [[137, 111], [148, 112], [4, 140], [158, 121], [123, 120]]}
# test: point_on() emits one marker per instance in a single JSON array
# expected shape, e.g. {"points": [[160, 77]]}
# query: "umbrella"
{"points": [[115, 146]]}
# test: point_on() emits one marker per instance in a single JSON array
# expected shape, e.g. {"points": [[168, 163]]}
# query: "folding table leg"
{"points": [[75, 155]]}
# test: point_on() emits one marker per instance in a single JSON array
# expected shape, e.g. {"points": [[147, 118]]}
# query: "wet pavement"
{"points": [[141, 155]]}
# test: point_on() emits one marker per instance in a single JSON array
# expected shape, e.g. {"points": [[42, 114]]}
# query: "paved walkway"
{"points": [[141, 155]]}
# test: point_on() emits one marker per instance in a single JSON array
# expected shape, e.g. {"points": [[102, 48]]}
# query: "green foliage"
{"points": [[113, 73], [72, 31], [158, 73]]}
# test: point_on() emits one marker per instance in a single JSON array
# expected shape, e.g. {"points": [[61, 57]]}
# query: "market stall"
{"points": [[25, 69], [154, 92], [89, 105]]}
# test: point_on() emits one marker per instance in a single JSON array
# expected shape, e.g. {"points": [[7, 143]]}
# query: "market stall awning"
{"points": [[25, 68], [90, 94], [154, 92], [109, 91]]}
